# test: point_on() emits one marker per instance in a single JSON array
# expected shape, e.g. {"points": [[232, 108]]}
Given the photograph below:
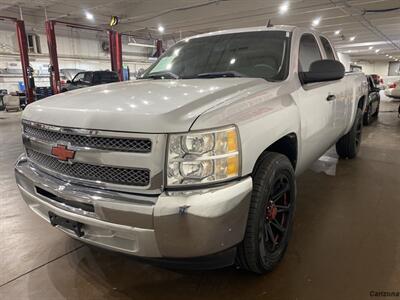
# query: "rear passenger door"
{"points": [[316, 103], [96, 78]]}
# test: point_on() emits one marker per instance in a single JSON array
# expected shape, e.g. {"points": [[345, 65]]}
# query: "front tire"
{"points": [[349, 145], [271, 213]]}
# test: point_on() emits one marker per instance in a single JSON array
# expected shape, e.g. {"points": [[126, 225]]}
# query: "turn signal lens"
{"points": [[233, 166]]}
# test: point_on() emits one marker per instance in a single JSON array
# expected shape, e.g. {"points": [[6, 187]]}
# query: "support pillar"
{"points": [[159, 49], [116, 53], [54, 69], [118, 56], [23, 52], [111, 38]]}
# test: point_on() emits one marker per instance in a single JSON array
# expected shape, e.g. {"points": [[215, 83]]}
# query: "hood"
{"points": [[151, 106]]}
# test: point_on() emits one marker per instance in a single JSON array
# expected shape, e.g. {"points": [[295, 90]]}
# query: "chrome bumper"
{"points": [[180, 224]]}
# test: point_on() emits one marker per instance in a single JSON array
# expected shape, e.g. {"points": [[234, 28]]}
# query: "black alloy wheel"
{"points": [[270, 216], [277, 214]]}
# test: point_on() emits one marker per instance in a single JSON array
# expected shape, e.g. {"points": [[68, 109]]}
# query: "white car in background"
{"points": [[393, 90]]}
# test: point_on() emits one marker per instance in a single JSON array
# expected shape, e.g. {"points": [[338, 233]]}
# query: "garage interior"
{"points": [[345, 242]]}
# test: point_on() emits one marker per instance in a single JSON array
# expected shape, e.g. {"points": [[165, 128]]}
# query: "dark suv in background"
{"points": [[90, 78], [374, 100]]}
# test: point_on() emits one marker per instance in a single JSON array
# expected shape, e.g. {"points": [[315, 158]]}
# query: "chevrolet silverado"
{"points": [[196, 162]]}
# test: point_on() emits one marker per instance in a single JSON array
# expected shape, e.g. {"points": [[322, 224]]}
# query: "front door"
{"points": [[318, 104]]}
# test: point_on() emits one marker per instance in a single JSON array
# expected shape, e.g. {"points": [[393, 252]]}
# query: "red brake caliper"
{"points": [[272, 211]]}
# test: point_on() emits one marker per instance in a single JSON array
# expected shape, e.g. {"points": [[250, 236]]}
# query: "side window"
{"points": [[88, 77], [78, 77], [96, 78], [328, 49], [371, 83], [308, 52]]}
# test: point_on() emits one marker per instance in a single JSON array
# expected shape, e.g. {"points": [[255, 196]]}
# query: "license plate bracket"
{"points": [[66, 223]]}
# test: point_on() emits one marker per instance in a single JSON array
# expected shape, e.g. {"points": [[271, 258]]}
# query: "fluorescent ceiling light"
{"points": [[365, 44], [89, 16], [316, 21], [337, 32], [284, 8], [141, 45], [161, 28], [352, 38]]}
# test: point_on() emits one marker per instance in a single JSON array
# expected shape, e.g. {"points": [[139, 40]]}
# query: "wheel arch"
{"points": [[361, 103], [286, 145]]}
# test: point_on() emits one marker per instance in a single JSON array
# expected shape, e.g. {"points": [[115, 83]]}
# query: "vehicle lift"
{"points": [[115, 41], [27, 71], [159, 49]]}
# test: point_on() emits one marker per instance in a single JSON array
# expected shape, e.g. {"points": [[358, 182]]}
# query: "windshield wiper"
{"points": [[161, 75], [220, 74]]}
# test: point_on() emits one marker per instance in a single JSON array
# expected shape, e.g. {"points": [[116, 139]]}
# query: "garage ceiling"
{"points": [[181, 18]]}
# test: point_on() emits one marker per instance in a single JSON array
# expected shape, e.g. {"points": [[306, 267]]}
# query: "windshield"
{"points": [[260, 54]]}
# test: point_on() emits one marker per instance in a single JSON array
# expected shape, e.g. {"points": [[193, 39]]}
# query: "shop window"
{"points": [[33, 43]]}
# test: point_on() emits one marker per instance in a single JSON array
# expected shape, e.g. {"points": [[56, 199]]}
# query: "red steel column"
{"points": [[111, 40], [159, 49], [51, 43], [118, 56], [23, 52]]}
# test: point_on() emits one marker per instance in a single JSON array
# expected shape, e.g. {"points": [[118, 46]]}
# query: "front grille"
{"points": [[105, 143], [116, 175]]}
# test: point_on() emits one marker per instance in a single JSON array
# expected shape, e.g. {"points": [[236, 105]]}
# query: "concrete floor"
{"points": [[346, 239]]}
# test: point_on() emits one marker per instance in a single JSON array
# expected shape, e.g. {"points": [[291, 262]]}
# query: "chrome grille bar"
{"points": [[138, 145], [116, 175]]}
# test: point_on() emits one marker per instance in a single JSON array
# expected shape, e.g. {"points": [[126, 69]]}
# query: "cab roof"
{"points": [[247, 29]]}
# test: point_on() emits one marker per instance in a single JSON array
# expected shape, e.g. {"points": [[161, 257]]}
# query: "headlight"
{"points": [[203, 157]]}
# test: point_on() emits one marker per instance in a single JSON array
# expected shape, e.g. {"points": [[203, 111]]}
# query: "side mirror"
{"points": [[323, 70], [68, 81]]}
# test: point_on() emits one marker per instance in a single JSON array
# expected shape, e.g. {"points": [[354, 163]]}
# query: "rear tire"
{"points": [[377, 110], [271, 213], [349, 145], [367, 118]]}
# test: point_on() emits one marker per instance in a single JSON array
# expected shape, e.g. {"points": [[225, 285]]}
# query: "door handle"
{"points": [[331, 97]]}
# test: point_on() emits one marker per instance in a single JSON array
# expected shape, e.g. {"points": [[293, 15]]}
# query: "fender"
{"points": [[356, 94], [262, 118]]}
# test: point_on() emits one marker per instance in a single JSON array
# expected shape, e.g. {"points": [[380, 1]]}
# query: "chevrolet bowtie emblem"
{"points": [[62, 153]]}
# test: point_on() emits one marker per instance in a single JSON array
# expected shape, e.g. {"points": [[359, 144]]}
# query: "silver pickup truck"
{"points": [[195, 163]]}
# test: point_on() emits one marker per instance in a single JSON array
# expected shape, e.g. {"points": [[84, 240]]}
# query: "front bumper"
{"points": [[182, 224]]}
